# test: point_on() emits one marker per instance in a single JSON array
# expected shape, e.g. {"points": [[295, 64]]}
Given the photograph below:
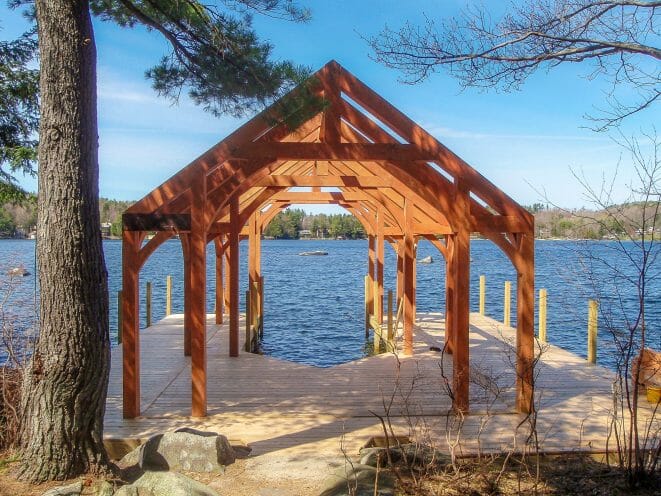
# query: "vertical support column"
{"points": [[525, 324], [148, 304], [198, 310], [130, 323], [409, 278], [371, 265], [220, 304], [400, 271], [254, 267], [235, 228], [449, 294], [188, 322], [380, 256], [483, 293], [461, 303], [226, 274]]}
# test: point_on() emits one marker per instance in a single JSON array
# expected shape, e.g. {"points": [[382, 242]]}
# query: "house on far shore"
{"points": [[304, 233], [105, 229]]}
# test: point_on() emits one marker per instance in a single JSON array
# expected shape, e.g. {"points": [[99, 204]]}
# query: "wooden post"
{"points": [[391, 335], [261, 307], [148, 304], [483, 290], [131, 242], [409, 277], [248, 345], [226, 275], [367, 306], [371, 263], [542, 315], [449, 294], [235, 228], [168, 295], [188, 322], [219, 296], [380, 257], [525, 324], [198, 288], [507, 306], [593, 307], [119, 317]]}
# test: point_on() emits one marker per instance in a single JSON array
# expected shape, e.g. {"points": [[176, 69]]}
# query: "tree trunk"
{"points": [[66, 381]]}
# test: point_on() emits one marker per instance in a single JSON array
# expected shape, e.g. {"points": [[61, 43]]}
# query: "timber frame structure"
{"points": [[399, 182]]}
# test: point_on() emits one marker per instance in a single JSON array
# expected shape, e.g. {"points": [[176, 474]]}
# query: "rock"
{"points": [[426, 260], [103, 488], [358, 480], [185, 449], [165, 484], [70, 490]]}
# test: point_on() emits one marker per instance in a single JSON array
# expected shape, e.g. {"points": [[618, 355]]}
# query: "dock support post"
{"points": [[148, 304], [234, 277], [483, 290], [542, 315], [371, 265], [168, 295], [593, 308], [507, 303], [131, 242]]}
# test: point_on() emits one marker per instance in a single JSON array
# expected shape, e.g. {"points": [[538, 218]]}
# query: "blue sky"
{"points": [[522, 141]]}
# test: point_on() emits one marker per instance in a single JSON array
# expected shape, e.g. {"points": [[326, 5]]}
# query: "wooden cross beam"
{"points": [[331, 151], [325, 181], [156, 222]]}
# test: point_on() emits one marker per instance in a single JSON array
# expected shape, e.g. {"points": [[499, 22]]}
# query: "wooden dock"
{"points": [[280, 406]]}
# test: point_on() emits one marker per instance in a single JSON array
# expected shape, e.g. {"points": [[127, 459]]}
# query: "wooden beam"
{"points": [[380, 259], [330, 151], [325, 181], [156, 222], [188, 292], [219, 310]]}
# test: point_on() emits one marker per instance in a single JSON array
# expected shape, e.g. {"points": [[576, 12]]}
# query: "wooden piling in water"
{"points": [[168, 295], [507, 307], [593, 307], [390, 322], [542, 315], [483, 291], [148, 306]]}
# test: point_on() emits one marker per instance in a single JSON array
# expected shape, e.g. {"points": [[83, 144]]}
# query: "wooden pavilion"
{"points": [[399, 181]]}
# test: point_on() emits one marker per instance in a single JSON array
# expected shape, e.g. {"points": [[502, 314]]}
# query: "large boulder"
{"points": [[165, 484], [184, 449], [358, 480]]}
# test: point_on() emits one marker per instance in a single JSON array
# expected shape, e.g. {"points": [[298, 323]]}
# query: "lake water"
{"points": [[314, 305]]}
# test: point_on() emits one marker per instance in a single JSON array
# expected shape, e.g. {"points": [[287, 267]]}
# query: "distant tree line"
{"points": [[19, 218], [295, 223]]}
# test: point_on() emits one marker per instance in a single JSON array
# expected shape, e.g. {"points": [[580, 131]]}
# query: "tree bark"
{"points": [[66, 382]]}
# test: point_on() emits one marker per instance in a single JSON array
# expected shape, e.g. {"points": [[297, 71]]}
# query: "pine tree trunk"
{"points": [[66, 381]]}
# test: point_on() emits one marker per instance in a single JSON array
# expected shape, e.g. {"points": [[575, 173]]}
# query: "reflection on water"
{"points": [[314, 305]]}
